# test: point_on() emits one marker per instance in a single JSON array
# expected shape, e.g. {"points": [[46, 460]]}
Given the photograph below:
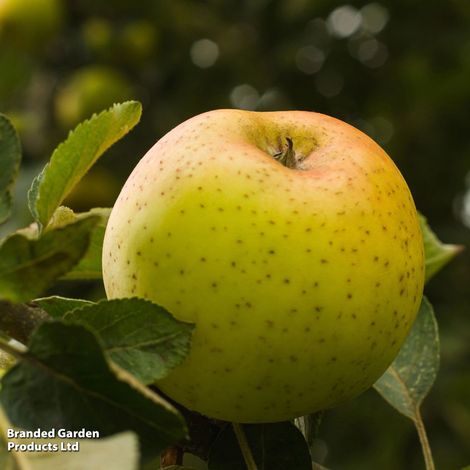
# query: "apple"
{"points": [[98, 36], [290, 239], [30, 24], [88, 90], [139, 40]]}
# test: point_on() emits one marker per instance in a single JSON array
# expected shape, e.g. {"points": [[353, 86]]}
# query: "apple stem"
{"points": [[287, 156], [244, 446]]}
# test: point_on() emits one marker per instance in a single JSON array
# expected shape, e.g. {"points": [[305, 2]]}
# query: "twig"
{"points": [[244, 447], [11, 350]]}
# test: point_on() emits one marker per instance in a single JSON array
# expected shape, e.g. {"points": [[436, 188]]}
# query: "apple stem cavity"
{"points": [[287, 156]]}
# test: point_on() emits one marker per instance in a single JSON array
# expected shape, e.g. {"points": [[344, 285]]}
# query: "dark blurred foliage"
{"points": [[399, 70]]}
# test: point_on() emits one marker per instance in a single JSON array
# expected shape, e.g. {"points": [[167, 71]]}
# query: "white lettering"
{"points": [[80, 434], [36, 434], [70, 446], [33, 447]]}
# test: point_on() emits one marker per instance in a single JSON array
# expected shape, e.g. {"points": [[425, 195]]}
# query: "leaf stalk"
{"points": [[244, 446], [423, 438]]}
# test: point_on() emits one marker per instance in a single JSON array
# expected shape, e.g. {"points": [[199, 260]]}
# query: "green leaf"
{"points": [[277, 446], [64, 381], [72, 159], [408, 380], [62, 216], [90, 266], [437, 254], [57, 306], [28, 266], [138, 335], [10, 157]]}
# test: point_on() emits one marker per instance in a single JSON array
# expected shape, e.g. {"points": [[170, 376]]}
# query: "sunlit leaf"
{"points": [[73, 158], [437, 254]]}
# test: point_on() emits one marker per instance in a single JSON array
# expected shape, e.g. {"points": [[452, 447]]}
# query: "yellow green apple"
{"points": [[290, 239], [29, 24], [138, 41], [89, 90]]}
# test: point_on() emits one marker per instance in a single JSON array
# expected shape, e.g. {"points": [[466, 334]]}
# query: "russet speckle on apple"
{"points": [[290, 239]]}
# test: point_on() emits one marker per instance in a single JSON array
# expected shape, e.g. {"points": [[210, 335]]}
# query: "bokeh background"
{"points": [[399, 70]]}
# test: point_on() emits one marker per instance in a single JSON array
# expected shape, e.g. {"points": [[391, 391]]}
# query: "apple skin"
{"points": [[303, 283]]}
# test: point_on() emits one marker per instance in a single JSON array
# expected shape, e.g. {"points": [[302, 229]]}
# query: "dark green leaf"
{"points": [[57, 306], [28, 265], [277, 446], [73, 158], [437, 254], [408, 380], [138, 335], [64, 381], [89, 266], [10, 156]]}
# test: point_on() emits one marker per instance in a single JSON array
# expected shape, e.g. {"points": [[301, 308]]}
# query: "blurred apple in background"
{"points": [[139, 40], [89, 90], [98, 36], [29, 24]]}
